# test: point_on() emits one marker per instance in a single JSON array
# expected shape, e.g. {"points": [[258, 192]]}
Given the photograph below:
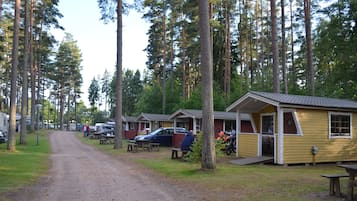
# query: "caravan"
{"points": [[4, 125]]}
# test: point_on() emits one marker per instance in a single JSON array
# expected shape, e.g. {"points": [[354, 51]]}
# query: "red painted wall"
{"points": [[177, 139], [130, 134]]}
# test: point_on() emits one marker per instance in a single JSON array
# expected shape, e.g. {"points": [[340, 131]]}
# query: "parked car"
{"points": [[3, 137], [161, 135], [105, 129]]}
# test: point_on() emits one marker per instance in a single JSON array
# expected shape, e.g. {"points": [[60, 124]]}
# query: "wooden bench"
{"points": [[175, 151], [132, 147], [103, 141], [155, 146], [335, 183]]}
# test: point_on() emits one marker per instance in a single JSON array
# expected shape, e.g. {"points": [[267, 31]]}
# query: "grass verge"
{"points": [[27, 164], [233, 182]]}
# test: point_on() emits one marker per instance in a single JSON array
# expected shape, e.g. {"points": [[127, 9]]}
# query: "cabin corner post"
{"points": [[237, 131], [175, 123], [194, 124], [280, 147]]}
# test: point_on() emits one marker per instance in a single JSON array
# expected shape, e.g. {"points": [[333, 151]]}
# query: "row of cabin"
{"points": [[292, 129], [186, 118]]}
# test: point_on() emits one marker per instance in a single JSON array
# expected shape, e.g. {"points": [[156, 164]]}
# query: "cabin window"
{"points": [[132, 126], [246, 126], [289, 123], [340, 124]]}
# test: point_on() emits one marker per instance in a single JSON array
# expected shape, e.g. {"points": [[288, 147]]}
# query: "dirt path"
{"points": [[81, 173]]}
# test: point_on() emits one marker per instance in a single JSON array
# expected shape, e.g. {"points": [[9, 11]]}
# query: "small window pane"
{"points": [[340, 125]]}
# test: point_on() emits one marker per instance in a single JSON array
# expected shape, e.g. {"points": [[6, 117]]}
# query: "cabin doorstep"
{"points": [[297, 129]]}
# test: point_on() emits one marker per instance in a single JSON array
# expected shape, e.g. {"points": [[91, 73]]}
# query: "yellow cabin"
{"points": [[297, 129], [150, 122]]}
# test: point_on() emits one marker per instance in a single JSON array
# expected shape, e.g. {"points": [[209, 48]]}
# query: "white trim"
{"points": [[260, 148], [253, 123], [280, 147], [175, 125], [237, 131], [259, 141], [261, 122], [296, 121], [318, 108], [329, 124], [253, 96], [194, 125]]}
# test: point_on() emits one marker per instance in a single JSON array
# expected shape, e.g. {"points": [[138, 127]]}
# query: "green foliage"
{"points": [[132, 89], [106, 87], [195, 100], [99, 116], [93, 92], [336, 47], [196, 153], [150, 100]]}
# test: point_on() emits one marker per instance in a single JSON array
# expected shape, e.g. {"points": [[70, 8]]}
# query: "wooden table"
{"points": [[107, 139], [144, 144], [352, 171]]}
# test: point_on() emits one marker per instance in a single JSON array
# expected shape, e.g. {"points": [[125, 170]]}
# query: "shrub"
{"points": [[196, 153]]}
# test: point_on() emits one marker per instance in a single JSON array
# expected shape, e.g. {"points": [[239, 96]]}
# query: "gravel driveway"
{"points": [[81, 173]]}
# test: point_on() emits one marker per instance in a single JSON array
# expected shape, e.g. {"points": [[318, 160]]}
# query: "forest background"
{"points": [[242, 57]]}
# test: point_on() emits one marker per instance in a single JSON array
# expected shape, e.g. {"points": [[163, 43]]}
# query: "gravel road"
{"points": [[81, 173]]}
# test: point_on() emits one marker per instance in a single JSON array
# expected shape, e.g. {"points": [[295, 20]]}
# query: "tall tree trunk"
{"points": [[33, 90], [310, 68], [118, 92], [0, 10], [283, 47], [241, 43], [68, 108], [12, 131], [24, 101], [164, 60], [208, 161], [227, 72], [183, 64], [61, 114], [293, 71], [251, 65], [32, 68], [172, 58], [39, 77], [262, 39], [276, 84]]}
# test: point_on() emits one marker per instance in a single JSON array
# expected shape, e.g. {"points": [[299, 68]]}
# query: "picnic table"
{"points": [[95, 135], [352, 172], [134, 145], [107, 139]]}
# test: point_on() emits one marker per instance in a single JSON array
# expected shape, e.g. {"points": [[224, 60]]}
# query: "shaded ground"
{"points": [[80, 172]]}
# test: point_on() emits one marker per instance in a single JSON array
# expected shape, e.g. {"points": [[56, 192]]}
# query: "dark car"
{"points": [[161, 135], [3, 137]]}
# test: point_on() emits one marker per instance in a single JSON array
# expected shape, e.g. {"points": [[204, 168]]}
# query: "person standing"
{"points": [[86, 130], [187, 142]]}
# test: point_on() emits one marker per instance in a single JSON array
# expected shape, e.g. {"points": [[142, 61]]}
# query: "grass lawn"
{"points": [[25, 165], [233, 182]]}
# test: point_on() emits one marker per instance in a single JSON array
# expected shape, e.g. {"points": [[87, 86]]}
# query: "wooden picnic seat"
{"points": [[155, 146], [175, 151], [335, 183], [132, 147]]}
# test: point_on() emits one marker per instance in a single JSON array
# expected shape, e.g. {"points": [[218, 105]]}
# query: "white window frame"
{"points": [[329, 124], [296, 121]]}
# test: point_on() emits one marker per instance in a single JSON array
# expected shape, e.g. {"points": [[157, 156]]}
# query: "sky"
{"points": [[97, 41]]}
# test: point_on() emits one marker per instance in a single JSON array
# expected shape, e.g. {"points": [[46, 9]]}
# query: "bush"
{"points": [[196, 153]]}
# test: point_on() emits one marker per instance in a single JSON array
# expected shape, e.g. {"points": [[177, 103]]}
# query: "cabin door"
{"points": [[267, 131]]}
